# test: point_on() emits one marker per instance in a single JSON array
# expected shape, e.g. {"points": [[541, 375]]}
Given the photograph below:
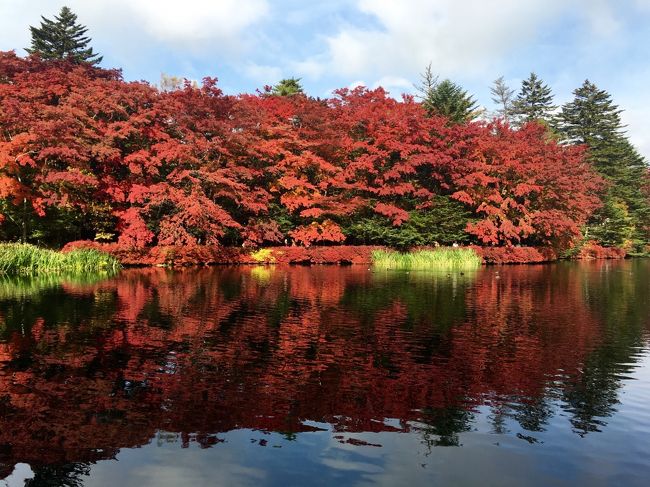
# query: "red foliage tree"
{"points": [[522, 186], [194, 166]]}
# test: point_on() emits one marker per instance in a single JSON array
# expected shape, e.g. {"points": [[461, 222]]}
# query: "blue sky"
{"points": [[335, 43]]}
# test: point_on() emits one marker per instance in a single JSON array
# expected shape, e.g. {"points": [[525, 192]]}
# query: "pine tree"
{"points": [[288, 87], [503, 97], [592, 119], [62, 38], [612, 225], [450, 100], [534, 102]]}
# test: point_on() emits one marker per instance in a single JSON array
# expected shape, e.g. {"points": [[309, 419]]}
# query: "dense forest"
{"points": [[85, 155]]}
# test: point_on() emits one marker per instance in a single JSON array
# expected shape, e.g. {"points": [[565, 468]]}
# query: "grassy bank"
{"points": [[427, 259], [29, 260]]}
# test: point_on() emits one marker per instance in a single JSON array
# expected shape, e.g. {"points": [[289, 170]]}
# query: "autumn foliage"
{"points": [[86, 155]]}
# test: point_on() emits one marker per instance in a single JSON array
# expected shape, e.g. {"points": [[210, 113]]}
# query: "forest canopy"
{"points": [[87, 155]]}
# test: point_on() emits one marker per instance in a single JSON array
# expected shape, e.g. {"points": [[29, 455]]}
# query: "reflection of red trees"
{"points": [[217, 349]]}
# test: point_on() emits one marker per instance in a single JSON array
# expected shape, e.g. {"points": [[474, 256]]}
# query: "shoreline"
{"points": [[178, 256]]}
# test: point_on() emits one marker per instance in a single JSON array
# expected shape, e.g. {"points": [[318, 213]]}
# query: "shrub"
{"points": [[263, 256], [516, 255], [591, 250]]}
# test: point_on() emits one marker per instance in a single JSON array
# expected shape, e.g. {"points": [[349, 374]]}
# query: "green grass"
{"points": [[444, 258], [29, 260]]}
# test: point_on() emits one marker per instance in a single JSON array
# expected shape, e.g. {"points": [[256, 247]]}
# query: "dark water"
{"points": [[526, 375]]}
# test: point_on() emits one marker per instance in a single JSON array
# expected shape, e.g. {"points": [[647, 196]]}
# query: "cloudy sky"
{"points": [[336, 43]]}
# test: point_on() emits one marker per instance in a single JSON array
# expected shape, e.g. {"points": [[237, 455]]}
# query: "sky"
{"points": [[330, 44]]}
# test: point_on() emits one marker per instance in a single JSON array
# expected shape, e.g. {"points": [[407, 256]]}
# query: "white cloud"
{"points": [[356, 84], [602, 18], [635, 116], [310, 68], [196, 20], [455, 36], [129, 26], [395, 85], [262, 73]]}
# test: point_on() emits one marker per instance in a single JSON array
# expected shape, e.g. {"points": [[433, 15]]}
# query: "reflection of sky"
{"points": [[615, 456]]}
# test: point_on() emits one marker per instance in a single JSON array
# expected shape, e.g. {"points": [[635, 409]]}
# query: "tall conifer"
{"points": [[534, 102], [62, 38], [450, 100], [592, 119], [503, 97]]}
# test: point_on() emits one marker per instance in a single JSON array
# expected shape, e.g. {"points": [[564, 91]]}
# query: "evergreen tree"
{"points": [[450, 100], [592, 119], [62, 38], [612, 225], [534, 102], [287, 87], [503, 97]]}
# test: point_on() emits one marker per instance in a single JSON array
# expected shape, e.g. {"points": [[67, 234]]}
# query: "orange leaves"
{"points": [[463, 197], [10, 188]]}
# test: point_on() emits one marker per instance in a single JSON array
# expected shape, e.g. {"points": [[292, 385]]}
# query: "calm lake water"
{"points": [[522, 375]]}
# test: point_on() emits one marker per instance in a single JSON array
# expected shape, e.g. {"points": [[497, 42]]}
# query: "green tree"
{"points": [[592, 119], [288, 87], [612, 225], [503, 98], [62, 38], [448, 99], [443, 223], [534, 101]]}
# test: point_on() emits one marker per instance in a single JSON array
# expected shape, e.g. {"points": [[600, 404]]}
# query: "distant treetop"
{"points": [[62, 38], [287, 87], [446, 98], [534, 102]]}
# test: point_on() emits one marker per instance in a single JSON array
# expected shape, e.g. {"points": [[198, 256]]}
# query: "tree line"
{"points": [[86, 155]]}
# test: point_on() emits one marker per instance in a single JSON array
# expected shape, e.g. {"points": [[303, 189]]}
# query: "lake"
{"points": [[283, 376]]}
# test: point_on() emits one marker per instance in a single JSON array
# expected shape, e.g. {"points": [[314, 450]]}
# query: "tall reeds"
{"points": [[29, 260], [443, 258]]}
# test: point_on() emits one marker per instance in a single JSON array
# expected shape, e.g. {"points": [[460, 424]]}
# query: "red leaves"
{"points": [[195, 166], [591, 251], [395, 214], [521, 185], [133, 229], [327, 231]]}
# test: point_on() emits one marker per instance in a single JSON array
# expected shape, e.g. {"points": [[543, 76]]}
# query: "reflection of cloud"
{"points": [[22, 472], [170, 465]]}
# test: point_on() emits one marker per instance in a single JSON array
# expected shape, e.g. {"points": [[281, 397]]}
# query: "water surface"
{"points": [[522, 375]]}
